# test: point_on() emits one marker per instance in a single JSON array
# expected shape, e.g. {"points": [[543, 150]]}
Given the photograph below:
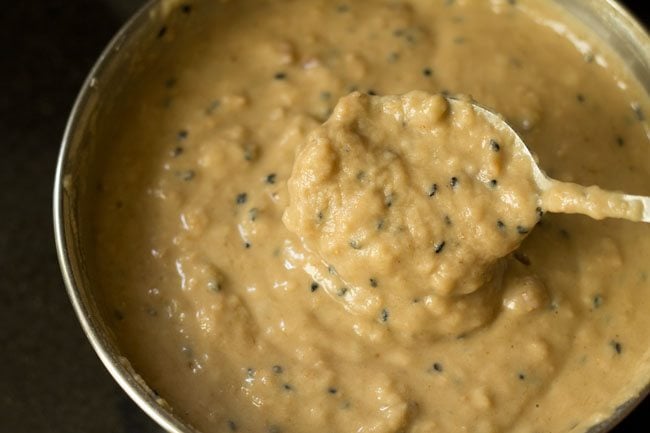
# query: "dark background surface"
{"points": [[50, 378]]}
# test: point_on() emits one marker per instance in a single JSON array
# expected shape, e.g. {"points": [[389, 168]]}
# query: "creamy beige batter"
{"points": [[419, 194], [206, 290]]}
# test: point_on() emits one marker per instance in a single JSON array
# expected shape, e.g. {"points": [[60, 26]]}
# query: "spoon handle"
{"points": [[566, 197], [644, 202]]}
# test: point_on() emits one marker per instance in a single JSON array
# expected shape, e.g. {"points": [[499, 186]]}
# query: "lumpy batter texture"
{"points": [[421, 193], [232, 320]]}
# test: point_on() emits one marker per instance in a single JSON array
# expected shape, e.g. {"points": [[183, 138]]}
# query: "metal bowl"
{"points": [[132, 50]]}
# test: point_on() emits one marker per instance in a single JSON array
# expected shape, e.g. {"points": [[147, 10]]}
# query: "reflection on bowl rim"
{"points": [[83, 304]]}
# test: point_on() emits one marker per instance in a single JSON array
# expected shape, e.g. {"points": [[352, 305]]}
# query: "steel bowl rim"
{"points": [[631, 20], [89, 324]]}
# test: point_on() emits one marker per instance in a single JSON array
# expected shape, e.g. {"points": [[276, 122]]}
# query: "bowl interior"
{"points": [[118, 70]]}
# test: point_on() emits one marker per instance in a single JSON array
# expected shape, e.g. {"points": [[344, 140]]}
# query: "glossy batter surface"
{"points": [[206, 289]]}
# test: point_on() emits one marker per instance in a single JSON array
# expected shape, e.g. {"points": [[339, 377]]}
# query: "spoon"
{"points": [[566, 197]]}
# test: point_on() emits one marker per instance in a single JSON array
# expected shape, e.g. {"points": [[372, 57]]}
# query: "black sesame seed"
{"points": [[162, 32], [437, 248], [187, 175], [437, 367], [427, 72], [371, 92], [580, 97], [597, 301], [540, 213], [182, 134], [247, 245], [620, 141], [331, 270], [270, 178], [522, 230], [342, 291], [495, 146], [501, 225], [287, 387], [384, 315], [232, 426], [241, 198], [388, 200], [250, 372], [118, 314], [493, 183], [186, 8], [313, 286], [213, 106], [373, 282], [521, 376], [178, 150], [448, 220], [253, 213], [380, 224], [332, 390], [433, 189], [618, 348], [280, 75], [521, 258]]}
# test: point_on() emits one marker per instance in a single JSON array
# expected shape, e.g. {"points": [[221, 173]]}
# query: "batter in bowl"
{"points": [[207, 292]]}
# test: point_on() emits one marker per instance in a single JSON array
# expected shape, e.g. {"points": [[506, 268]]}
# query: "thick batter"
{"points": [[417, 192], [213, 299]]}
